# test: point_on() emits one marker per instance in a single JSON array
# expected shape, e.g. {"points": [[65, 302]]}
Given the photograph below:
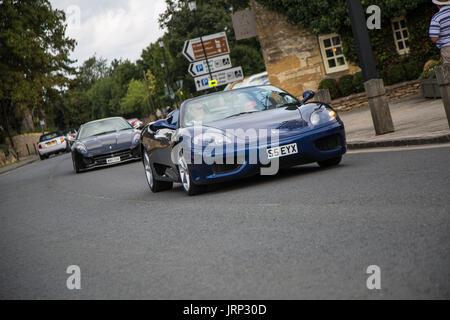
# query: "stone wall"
{"points": [[21, 142], [291, 55], [6, 159], [394, 92]]}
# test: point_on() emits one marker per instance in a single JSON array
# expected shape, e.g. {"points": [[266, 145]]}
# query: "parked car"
{"points": [[254, 80], [51, 143], [235, 84], [205, 141], [105, 142], [257, 79], [70, 135], [136, 123]]}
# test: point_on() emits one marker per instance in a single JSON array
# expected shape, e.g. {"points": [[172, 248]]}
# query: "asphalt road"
{"points": [[305, 233]]}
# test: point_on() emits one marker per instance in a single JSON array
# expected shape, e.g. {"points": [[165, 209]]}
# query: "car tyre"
{"points": [[330, 162], [76, 168], [186, 179], [42, 157], [155, 185]]}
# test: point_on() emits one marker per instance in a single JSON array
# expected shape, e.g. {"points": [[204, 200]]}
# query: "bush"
{"points": [[332, 86], [412, 69], [358, 82], [345, 84], [395, 74]]}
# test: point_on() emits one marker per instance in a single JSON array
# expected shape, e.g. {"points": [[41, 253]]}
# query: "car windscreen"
{"points": [[231, 103], [100, 127], [50, 136]]}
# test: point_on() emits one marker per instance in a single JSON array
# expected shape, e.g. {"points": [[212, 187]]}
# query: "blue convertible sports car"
{"points": [[233, 134]]}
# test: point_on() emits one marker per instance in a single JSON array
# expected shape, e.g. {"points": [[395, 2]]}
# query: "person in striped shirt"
{"points": [[440, 29]]}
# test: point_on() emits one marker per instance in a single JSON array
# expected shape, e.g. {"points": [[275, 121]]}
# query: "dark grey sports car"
{"points": [[105, 142]]}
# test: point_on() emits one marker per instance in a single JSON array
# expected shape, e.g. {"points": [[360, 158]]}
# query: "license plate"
{"points": [[282, 151], [112, 160], [48, 144]]}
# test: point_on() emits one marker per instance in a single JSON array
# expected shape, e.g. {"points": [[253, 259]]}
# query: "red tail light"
{"points": [[40, 146], [62, 140]]}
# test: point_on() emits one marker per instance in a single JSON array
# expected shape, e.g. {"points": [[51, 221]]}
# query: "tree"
{"points": [[135, 103], [212, 17], [34, 56]]}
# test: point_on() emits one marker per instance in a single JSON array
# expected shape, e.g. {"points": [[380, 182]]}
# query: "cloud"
{"points": [[111, 29]]}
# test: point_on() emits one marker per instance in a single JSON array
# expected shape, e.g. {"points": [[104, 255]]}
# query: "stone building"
{"points": [[295, 59]]}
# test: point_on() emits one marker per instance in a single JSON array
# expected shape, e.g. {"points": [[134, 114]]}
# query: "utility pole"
{"points": [[375, 91]]}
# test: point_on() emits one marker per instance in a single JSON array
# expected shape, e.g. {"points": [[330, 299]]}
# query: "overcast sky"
{"points": [[111, 28]]}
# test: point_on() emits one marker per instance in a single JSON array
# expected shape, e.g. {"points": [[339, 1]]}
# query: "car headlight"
{"points": [[136, 138], [211, 139], [322, 115], [81, 148]]}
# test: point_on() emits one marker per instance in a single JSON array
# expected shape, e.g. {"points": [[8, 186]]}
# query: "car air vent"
{"points": [[329, 143]]}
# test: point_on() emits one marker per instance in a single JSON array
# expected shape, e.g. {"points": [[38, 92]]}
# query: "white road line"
{"points": [[405, 148]]}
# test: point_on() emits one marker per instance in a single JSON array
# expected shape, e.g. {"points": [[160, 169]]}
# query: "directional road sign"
{"points": [[222, 77], [199, 68], [215, 45]]}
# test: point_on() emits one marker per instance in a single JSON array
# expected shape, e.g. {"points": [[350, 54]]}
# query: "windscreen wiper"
{"points": [[241, 113], [105, 132]]}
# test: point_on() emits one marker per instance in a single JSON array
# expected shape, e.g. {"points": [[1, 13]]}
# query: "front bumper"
{"points": [[86, 162], [315, 145]]}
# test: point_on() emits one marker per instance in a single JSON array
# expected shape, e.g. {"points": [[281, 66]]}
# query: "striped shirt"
{"points": [[440, 27]]}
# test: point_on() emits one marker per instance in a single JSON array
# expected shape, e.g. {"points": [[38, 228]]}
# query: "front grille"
{"points": [[329, 143], [124, 155]]}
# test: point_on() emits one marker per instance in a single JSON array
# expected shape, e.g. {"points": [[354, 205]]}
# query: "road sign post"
{"points": [[219, 63], [210, 61], [222, 77]]}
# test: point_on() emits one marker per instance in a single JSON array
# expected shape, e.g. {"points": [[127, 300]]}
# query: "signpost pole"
{"points": [[203, 47]]}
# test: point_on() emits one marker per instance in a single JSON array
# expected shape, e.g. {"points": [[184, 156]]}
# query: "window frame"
{"points": [[328, 69], [405, 50]]}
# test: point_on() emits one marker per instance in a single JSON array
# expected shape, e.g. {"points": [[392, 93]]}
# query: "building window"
{"points": [[401, 36], [332, 53]]}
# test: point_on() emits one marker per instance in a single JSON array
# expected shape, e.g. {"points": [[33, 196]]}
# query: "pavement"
{"points": [[416, 121], [306, 233], [23, 162]]}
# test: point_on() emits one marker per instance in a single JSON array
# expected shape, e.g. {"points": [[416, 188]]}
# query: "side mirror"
{"points": [[162, 124], [307, 95]]}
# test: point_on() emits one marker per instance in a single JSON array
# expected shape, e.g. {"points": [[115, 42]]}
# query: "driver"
{"points": [[196, 113]]}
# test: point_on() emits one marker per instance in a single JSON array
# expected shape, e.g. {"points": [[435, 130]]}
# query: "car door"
{"points": [[160, 147]]}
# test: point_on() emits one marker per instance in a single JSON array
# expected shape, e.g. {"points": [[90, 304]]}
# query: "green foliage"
{"points": [[332, 85], [34, 58], [334, 18], [413, 69], [358, 83], [135, 103], [395, 74], [181, 24], [345, 84]]}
